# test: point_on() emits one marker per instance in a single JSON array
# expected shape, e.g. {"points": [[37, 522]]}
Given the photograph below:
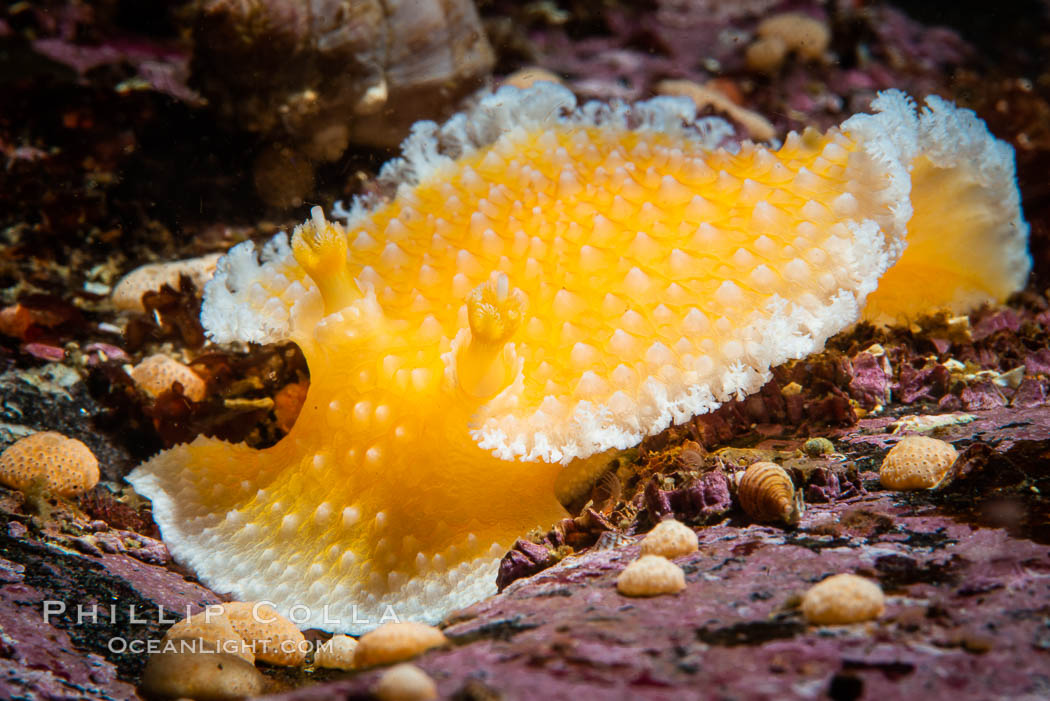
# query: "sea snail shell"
{"points": [[766, 493]]}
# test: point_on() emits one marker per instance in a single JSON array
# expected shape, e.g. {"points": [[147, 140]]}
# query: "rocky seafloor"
{"points": [[116, 152], [966, 570]]}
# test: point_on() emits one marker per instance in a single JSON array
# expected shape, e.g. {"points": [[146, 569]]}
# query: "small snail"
{"points": [[766, 493], [816, 447]]}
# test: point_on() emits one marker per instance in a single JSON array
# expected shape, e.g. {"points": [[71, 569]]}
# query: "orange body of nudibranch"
{"points": [[567, 283]]}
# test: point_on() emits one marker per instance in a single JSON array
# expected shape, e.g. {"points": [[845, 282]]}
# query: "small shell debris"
{"points": [[923, 423], [815, 447], [530, 75], [758, 127]]}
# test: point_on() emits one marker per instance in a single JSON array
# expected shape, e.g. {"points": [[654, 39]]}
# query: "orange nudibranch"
{"points": [[550, 282]]}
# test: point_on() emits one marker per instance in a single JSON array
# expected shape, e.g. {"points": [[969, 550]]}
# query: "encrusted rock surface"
{"points": [[51, 565], [966, 618], [967, 580], [966, 570]]}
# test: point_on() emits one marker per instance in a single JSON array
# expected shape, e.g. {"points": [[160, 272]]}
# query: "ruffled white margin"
{"points": [[252, 295], [260, 297]]}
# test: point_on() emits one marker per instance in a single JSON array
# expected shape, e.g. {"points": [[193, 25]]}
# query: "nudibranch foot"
{"points": [[377, 497]]}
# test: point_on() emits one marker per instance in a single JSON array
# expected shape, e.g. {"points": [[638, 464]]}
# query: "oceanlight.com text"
{"points": [[119, 645]]}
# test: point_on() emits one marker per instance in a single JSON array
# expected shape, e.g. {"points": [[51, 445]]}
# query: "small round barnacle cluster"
{"points": [[670, 539], [336, 653], [214, 628], [787, 32], [60, 465], [211, 654], [916, 462], [767, 494], [843, 598], [158, 373], [396, 642], [127, 294], [405, 682], [275, 639], [199, 674], [651, 575]]}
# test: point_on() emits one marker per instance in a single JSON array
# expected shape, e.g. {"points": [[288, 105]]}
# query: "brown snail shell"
{"points": [[767, 494]]}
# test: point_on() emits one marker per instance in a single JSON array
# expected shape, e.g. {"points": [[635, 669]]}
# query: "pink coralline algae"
{"points": [[982, 395], [926, 383], [1030, 393], [826, 486], [1003, 320], [869, 385], [1038, 362], [703, 500], [524, 559]]}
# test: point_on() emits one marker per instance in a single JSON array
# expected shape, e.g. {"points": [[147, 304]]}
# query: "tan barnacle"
{"points": [[211, 626], [199, 674], [843, 598], [336, 653], [274, 638], [405, 682], [767, 494], [670, 539], [127, 294], [158, 373], [60, 465], [396, 642], [651, 575], [916, 462]]}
